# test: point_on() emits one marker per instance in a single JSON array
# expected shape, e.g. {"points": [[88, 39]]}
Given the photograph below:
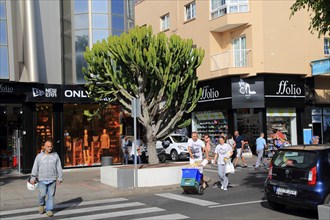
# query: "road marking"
{"points": [[78, 211], [240, 203], [200, 202], [64, 205], [164, 217], [118, 214]]}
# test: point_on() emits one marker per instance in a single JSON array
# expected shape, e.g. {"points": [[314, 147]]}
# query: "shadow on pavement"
{"points": [[68, 204], [304, 213], [255, 179], [9, 176]]}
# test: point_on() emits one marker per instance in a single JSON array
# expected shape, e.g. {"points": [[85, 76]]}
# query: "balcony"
{"points": [[231, 59], [229, 16]]}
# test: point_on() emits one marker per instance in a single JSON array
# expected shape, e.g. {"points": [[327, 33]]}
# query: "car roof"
{"points": [[307, 147]]}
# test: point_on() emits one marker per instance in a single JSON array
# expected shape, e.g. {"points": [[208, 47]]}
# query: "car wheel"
{"points": [[276, 205], [327, 200], [174, 155]]}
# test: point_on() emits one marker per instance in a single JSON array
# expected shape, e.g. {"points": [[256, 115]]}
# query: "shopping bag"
{"points": [[247, 153], [230, 168]]}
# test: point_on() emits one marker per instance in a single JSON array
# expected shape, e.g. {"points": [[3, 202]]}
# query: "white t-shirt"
{"points": [[223, 151], [196, 148]]}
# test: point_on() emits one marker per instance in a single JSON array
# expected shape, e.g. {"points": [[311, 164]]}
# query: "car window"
{"points": [[298, 159], [180, 139], [168, 139]]}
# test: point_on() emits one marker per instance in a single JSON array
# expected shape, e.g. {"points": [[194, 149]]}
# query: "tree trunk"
{"points": [[151, 142]]}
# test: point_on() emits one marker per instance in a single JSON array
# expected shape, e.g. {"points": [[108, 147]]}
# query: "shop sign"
{"points": [[43, 93], [214, 90], [281, 112], [284, 87], [320, 66], [4, 88], [248, 92]]}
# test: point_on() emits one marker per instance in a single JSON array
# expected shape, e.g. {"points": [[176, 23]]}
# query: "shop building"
{"points": [[265, 103], [255, 67], [41, 80]]}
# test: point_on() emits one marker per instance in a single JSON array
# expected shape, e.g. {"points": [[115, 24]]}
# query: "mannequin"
{"points": [[105, 141], [86, 148]]}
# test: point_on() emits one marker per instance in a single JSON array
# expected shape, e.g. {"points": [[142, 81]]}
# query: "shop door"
{"points": [[10, 126]]}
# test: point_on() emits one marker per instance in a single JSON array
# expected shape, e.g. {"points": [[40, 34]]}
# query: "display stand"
{"points": [[96, 152], [77, 153]]}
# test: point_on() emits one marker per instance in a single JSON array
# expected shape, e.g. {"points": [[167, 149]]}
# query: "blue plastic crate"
{"points": [[191, 173]]}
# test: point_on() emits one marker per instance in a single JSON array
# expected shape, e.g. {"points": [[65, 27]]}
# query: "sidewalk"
{"points": [[81, 184]]}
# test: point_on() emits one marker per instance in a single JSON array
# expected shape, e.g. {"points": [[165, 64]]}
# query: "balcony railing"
{"points": [[231, 58]]}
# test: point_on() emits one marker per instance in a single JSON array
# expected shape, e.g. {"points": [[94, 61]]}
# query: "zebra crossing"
{"points": [[97, 209]]}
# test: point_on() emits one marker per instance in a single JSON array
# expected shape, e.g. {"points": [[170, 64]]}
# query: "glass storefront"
{"points": [[212, 123], [281, 126], [44, 128], [86, 141], [321, 124]]}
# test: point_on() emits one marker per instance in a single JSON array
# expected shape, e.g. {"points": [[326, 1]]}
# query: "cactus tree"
{"points": [[159, 70]]}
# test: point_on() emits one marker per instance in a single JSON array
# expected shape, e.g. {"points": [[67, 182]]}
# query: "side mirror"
{"points": [[165, 144]]}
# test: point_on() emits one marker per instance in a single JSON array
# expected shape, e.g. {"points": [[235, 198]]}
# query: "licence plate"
{"points": [[281, 191]]}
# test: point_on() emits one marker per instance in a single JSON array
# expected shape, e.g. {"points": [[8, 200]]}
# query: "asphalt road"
{"points": [[243, 200]]}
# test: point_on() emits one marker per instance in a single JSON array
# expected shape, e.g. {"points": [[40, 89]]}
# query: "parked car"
{"points": [[178, 146], [161, 154], [299, 176]]}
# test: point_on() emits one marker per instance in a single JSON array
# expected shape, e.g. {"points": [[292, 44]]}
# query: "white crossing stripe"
{"points": [[187, 199], [239, 203], [64, 205], [164, 217], [78, 211], [118, 214]]}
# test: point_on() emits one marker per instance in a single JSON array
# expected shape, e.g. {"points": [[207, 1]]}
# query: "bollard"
{"points": [[323, 211], [106, 161]]}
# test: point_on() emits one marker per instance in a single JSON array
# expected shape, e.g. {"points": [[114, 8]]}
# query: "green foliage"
{"points": [[159, 70], [321, 17]]}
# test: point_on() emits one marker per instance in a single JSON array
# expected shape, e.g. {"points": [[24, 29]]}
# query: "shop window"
{"points": [[44, 128], [86, 141], [211, 123]]}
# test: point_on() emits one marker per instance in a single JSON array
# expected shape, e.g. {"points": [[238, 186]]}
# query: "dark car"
{"points": [[299, 176]]}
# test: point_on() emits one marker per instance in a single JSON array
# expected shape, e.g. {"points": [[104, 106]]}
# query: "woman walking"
{"points": [[223, 151]]}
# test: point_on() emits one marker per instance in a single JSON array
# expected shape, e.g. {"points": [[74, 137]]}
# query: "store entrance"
{"points": [[10, 129], [248, 124]]}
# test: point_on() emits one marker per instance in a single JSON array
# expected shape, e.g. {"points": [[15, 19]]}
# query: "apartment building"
{"points": [[256, 68], [41, 80]]}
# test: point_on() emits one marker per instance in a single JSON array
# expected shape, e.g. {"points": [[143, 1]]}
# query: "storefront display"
{"points": [[321, 124], [281, 126], [44, 128], [211, 123]]}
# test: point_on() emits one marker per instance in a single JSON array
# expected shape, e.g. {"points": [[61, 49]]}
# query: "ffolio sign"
{"points": [[217, 90], [289, 89]]}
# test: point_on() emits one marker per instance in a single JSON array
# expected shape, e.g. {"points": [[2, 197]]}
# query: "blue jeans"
{"points": [[49, 190], [138, 159], [126, 158]]}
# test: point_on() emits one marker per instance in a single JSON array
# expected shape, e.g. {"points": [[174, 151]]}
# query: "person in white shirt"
{"points": [[223, 152], [138, 146], [196, 147]]}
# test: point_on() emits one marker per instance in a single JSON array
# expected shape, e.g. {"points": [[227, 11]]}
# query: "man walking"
{"points": [[239, 144], [261, 144], [47, 169]]}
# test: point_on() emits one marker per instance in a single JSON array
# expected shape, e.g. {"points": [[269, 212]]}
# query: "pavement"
{"points": [[81, 184]]}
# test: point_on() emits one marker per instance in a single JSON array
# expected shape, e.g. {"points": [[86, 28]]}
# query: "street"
{"points": [[243, 200]]}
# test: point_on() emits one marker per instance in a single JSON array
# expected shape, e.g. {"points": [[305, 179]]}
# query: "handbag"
{"points": [[230, 168]]}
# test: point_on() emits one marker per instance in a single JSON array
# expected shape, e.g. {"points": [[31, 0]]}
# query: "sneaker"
{"points": [[49, 213], [225, 188], [222, 187], [41, 210]]}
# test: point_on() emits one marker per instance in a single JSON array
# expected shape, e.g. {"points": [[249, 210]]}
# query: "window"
{"points": [[222, 7], [327, 46], [190, 11], [165, 22], [239, 51], [4, 62]]}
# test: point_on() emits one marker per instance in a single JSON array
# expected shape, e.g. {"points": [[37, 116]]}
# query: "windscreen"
{"points": [[297, 159], [180, 139]]}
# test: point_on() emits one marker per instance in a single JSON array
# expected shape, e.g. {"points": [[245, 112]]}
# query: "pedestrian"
{"points": [[230, 140], [239, 144], [223, 151], [47, 169], [136, 146], [208, 144], [261, 145], [196, 147], [125, 144]]}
